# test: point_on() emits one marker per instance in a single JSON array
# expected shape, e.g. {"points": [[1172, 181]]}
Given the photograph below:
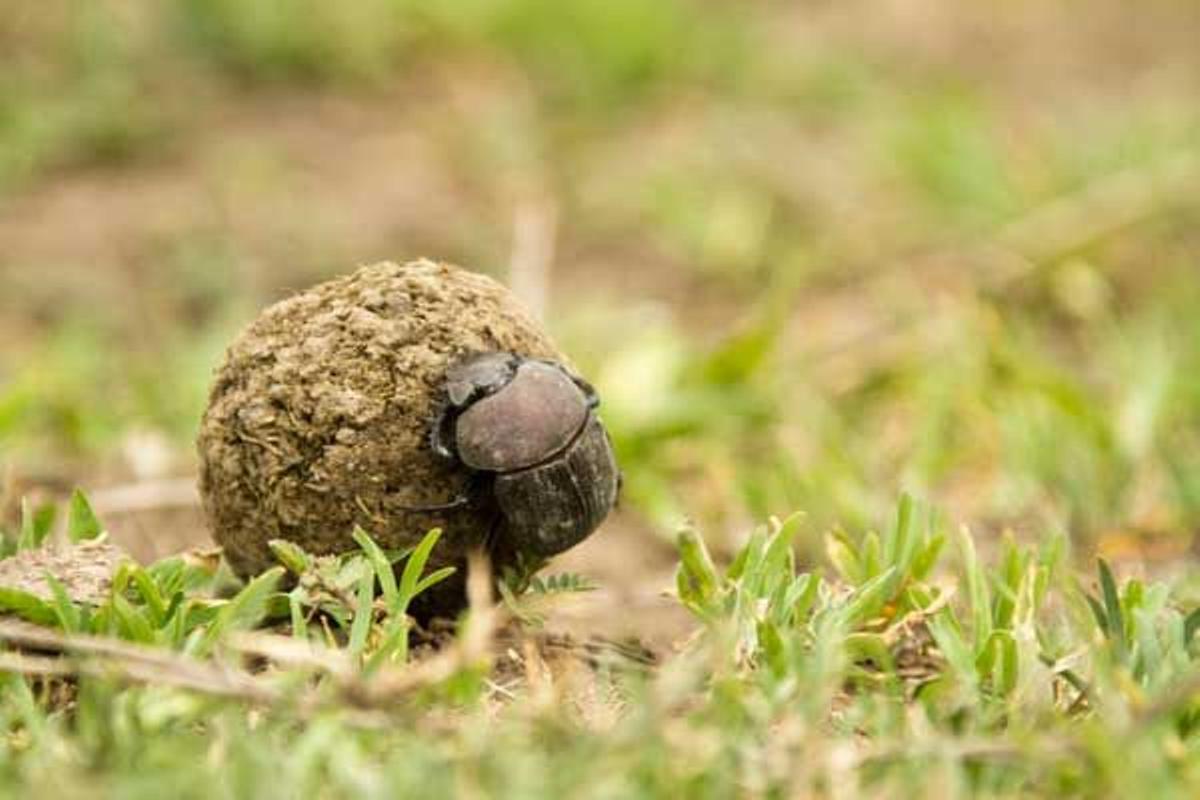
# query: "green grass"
{"points": [[915, 667], [831, 256]]}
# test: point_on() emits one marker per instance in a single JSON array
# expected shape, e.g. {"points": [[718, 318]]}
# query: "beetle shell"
{"points": [[553, 506], [530, 426], [534, 416]]}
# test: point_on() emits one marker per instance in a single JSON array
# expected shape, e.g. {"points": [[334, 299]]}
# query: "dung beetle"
{"points": [[527, 429]]}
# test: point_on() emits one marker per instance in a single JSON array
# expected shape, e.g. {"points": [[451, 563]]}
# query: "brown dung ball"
{"points": [[319, 419]]}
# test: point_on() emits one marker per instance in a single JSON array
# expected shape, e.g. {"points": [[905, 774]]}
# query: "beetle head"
{"points": [[472, 378], [478, 376]]}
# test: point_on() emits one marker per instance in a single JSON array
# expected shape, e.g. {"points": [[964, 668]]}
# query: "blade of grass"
{"points": [[364, 614], [383, 567], [414, 567], [36, 524], [244, 610], [27, 606], [1112, 606], [69, 618], [82, 522]]}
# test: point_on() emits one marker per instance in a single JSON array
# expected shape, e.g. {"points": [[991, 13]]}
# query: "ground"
{"points": [[813, 256]]}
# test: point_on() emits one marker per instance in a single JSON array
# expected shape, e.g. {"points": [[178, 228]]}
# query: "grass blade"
{"points": [[413, 568], [36, 524], [1112, 605], [364, 612], [82, 523], [244, 611], [27, 606]]}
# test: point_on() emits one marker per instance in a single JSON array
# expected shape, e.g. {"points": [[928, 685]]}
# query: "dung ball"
{"points": [[319, 418]]}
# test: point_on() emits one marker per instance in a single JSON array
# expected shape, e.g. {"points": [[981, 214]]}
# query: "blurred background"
{"points": [[812, 253]]}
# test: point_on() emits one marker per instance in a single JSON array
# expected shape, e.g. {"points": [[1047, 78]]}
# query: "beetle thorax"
{"points": [[530, 419]]}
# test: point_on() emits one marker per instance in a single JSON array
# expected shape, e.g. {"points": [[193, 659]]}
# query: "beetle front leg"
{"points": [[461, 501], [441, 433], [472, 494], [589, 391]]}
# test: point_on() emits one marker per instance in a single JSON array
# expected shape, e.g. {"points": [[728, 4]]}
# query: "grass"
{"points": [[813, 259], [914, 667]]}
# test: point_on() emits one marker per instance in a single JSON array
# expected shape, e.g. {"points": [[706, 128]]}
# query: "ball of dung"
{"points": [[319, 418]]}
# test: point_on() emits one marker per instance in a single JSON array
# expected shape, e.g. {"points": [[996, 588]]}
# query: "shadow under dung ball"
{"points": [[399, 399]]}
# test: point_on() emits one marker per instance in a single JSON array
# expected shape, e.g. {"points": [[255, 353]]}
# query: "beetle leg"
{"points": [[458, 502], [474, 492], [491, 539], [589, 391], [441, 432]]}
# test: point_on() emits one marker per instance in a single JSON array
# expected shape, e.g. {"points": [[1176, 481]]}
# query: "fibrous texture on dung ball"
{"points": [[319, 418]]}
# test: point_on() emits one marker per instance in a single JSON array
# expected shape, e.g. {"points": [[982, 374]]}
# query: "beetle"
{"points": [[527, 430]]}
